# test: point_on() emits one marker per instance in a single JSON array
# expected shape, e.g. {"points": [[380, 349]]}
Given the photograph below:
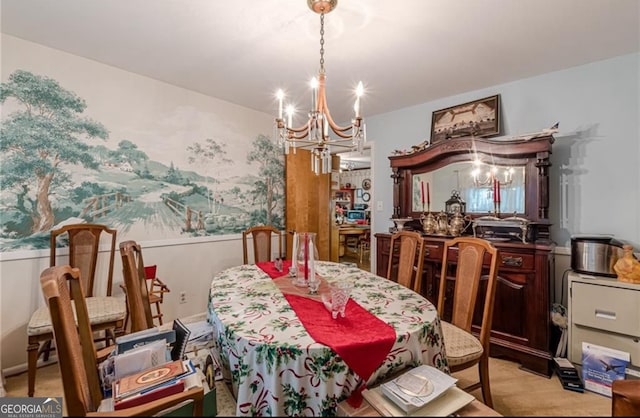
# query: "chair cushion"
{"points": [[461, 346], [101, 309]]}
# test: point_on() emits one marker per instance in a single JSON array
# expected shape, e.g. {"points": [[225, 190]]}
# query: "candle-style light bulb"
{"points": [[280, 96], [359, 93], [290, 111], [314, 94]]}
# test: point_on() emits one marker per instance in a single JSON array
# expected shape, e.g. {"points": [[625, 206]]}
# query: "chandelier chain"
{"points": [[322, 42]]}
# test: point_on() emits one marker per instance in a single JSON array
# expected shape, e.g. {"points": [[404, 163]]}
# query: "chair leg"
{"points": [[483, 371], [32, 365]]}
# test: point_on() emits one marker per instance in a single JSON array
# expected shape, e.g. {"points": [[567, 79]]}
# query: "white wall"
{"points": [[595, 176]]}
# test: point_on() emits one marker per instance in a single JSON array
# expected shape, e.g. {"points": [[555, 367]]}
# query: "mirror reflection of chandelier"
{"points": [[314, 134], [483, 175]]}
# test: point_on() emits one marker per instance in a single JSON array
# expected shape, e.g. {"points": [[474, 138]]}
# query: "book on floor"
{"points": [[137, 339], [137, 359], [171, 388], [190, 381], [151, 378], [601, 366], [574, 384], [182, 337], [564, 367]]}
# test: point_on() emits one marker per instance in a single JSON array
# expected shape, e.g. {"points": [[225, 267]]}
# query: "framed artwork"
{"points": [[366, 196], [366, 184], [359, 193], [479, 118]]}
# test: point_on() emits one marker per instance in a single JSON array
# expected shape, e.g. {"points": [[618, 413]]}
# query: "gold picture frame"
{"points": [[480, 118]]}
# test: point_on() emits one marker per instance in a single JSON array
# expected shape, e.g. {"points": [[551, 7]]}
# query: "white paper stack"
{"points": [[417, 387]]}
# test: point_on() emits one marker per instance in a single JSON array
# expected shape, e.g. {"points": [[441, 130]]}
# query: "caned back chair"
{"points": [[106, 313], [467, 345], [408, 247], [76, 350], [262, 236], [135, 282]]}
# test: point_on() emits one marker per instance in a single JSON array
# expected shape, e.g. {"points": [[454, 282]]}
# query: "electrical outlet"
{"points": [[183, 297]]}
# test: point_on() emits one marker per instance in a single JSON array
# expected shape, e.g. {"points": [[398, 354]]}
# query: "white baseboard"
{"points": [[21, 368]]}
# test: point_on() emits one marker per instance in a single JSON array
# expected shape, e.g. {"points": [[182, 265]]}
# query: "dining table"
{"points": [[283, 353]]}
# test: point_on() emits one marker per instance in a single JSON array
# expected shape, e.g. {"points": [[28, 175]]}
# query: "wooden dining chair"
{"points": [[408, 248], [364, 245], [262, 237], [135, 284], [625, 398], [463, 285], [76, 351], [106, 313]]}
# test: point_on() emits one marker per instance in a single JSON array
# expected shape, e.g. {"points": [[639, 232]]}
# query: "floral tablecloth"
{"points": [[277, 369]]}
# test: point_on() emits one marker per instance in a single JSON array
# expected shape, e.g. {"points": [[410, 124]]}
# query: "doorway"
{"points": [[356, 189]]}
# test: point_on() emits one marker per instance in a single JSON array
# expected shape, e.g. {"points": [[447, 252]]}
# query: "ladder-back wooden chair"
{"points": [[76, 351], [106, 313], [463, 283], [408, 248], [135, 282], [262, 236]]}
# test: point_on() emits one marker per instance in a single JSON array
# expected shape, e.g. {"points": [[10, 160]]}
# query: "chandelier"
{"points": [[314, 134]]}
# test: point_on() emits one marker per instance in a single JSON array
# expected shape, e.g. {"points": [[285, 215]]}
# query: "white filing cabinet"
{"points": [[604, 312]]}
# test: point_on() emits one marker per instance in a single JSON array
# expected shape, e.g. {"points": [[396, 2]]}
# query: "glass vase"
{"points": [[306, 254]]}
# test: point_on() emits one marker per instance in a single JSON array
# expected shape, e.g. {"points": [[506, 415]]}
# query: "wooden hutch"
{"points": [[521, 323]]}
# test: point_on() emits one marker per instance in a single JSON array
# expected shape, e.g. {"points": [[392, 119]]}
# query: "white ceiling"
{"points": [[405, 51]]}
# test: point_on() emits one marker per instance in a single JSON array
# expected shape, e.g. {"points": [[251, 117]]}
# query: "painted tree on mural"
{"points": [[129, 152], [41, 140], [271, 173], [210, 155]]}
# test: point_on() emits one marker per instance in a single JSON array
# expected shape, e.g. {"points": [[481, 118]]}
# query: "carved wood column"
{"points": [[396, 192], [543, 165]]}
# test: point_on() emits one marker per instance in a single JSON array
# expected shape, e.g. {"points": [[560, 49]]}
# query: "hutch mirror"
{"points": [[468, 165]]}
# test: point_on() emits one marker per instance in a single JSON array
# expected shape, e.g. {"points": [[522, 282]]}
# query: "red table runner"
{"points": [[361, 339]]}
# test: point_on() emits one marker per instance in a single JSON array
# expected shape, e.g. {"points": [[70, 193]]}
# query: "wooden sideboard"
{"points": [[521, 322], [518, 170]]}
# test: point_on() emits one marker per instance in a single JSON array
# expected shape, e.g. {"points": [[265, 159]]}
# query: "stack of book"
{"points": [[421, 391], [568, 375], [154, 383]]}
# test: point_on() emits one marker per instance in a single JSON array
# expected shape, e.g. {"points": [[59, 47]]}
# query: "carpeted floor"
{"points": [[520, 393], [515, 392]]}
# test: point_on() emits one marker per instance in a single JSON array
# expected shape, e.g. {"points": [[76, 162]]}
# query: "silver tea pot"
{"points": [[456, 225], [442, 223]]}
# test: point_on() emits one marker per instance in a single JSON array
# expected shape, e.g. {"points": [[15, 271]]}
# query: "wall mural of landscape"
{"points": [[60, 166]]}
